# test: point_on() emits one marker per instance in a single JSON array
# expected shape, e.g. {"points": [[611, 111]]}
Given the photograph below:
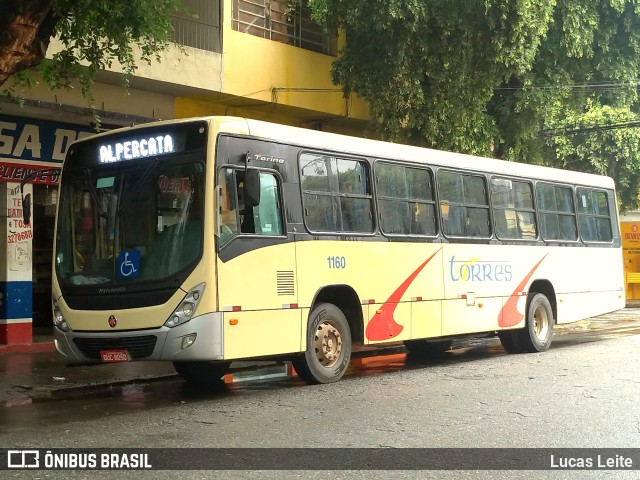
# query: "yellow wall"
{"points": [[272, 81]]}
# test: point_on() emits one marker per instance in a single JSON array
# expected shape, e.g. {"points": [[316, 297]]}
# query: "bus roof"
{"points": [[334, 142]]}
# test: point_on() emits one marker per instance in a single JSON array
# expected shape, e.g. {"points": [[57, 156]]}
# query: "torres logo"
{"points": [[476, 270], [113, 321]]}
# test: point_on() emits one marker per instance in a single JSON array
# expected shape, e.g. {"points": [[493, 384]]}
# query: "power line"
{"points": [[554, 132], [603, 86]]}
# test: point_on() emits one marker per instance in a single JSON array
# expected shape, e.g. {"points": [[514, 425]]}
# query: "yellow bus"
{"points": [[205, 241]]}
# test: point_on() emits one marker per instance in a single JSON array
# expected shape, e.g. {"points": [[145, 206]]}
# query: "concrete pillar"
{"points": [[16, 297]]}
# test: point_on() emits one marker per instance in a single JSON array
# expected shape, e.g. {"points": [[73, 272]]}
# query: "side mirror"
{"points": [[251, 192], [26, 209]]}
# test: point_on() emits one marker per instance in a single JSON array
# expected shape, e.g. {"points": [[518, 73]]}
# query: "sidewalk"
{"points": [[36, 375]]}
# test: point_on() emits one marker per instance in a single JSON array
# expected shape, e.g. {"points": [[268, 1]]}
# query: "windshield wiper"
{"points": [[88, 177], [147, 173]]}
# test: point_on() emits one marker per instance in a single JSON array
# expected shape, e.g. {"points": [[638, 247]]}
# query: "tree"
{"points": [[488, 76], [94, 34], [612, 150]]}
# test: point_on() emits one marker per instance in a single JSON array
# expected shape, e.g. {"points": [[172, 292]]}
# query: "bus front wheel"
{"points": [[328, 346], [537, 335], [201, 374]]}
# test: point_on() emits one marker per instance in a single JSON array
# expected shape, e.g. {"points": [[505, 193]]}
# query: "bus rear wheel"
{"points": [[202, 374], [538, 334], [328, 346]]}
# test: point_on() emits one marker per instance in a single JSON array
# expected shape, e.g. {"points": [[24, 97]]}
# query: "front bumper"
{"points": [[162, 343]]}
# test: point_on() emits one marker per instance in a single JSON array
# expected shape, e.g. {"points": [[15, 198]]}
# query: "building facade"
{"points": [[252, 58]]}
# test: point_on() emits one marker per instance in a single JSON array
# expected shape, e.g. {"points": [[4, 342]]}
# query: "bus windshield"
{"points": [[142, 223]]}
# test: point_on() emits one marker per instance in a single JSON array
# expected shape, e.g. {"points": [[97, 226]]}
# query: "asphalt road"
{"points": [[582, 393]]}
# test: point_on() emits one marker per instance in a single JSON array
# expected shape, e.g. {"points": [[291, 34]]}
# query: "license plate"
{"points": [[112, 356]]}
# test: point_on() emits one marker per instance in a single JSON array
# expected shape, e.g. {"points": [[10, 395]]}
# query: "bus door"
{"points": [[255, 265]]}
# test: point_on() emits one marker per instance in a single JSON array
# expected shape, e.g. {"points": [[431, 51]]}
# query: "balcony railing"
{"points": [[275, 20]]}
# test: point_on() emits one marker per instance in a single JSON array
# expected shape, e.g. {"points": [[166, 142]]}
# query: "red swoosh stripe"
{"points": [[383, 326], [509, 315]]}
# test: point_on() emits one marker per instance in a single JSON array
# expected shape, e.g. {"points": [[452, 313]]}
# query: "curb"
{"points": [[27, 348], [115, 388]]}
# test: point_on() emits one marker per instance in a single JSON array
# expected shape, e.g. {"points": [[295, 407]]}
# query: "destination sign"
{"points": [[137, 148]]}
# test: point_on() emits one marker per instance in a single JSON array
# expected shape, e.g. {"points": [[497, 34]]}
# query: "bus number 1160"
{"points": [[337, 262]]}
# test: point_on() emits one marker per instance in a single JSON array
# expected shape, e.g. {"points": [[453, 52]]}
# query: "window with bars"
{"points": [[277, 20], [199, 27]]}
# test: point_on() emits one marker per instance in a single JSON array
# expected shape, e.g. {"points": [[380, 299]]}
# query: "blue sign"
{"points": [[129, 264], [27, 139]]}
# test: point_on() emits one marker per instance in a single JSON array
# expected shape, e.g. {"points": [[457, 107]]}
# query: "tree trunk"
{"points": [[26, 27]]}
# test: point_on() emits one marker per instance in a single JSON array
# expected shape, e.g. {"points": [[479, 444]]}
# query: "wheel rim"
{"points": [[328, 344], [541, 323]]}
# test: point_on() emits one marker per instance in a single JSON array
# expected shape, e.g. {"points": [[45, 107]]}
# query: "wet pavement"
{"points": [[37, 376]]}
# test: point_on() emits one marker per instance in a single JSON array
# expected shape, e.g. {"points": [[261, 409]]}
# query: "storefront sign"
{"points": [[25, 144], [15, 172]]}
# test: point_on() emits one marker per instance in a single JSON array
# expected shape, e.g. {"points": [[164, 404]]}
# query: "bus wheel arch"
{"points": [[346, 299], [546, 288]]}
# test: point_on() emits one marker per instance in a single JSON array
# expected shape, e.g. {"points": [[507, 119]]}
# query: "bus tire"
{"points": [[202, 374], [328, 351], [538, 333], [426, 349], [509, 341]]}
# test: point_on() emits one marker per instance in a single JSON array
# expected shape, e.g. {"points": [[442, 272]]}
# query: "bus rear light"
{"points": [[233, 321], [187, 307]]}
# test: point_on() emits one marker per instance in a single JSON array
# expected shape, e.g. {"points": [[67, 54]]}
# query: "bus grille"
{"points": [[138, 347]]}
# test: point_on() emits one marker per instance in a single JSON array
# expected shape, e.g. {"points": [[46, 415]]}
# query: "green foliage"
{"points": [[614, 152], [97, 33], [488, 76]]}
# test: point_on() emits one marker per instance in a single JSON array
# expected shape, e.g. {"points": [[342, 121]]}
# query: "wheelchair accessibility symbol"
{"points": [[129, 264]]}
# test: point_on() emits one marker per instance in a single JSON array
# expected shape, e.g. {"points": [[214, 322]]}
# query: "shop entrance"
{"points": [[44, 205]]}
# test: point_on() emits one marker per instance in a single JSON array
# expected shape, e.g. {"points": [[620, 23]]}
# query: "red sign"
{"points": [[15, 172], [175, 186]]}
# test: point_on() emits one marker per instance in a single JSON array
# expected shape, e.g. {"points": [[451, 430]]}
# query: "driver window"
{"points": [[228, 206], [236, 219]]}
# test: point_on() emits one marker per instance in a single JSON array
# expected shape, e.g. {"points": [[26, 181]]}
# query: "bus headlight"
{"points": [[187, 307], [58, 318]]}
